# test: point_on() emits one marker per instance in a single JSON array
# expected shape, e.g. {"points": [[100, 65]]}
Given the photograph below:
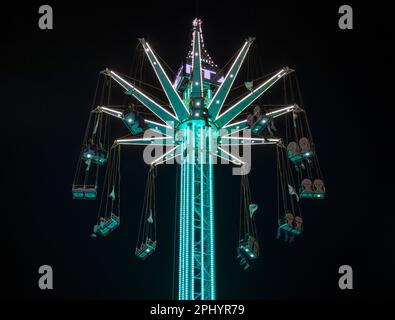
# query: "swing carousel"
{"points": [[197, 124]]}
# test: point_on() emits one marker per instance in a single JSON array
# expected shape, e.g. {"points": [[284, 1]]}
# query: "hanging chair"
{"points": [[306, 189], [298, 152], [93, 151], [146, 249], [86, 192], [319, 189], [85, 182], [300, 148], [290, 222], [248, 246], [257, 121], [93, 148], [108, 218], [146, 240], [96, 153], [106, 225], [134, 122]]}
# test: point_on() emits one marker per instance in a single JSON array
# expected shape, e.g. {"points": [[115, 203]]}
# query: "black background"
{"points": [[48, 80]]}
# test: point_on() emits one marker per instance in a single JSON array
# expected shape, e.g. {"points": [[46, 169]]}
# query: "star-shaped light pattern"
{"points": [[196, 129], [169, 121]]}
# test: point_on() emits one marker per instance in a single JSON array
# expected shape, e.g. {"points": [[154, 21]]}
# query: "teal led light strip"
{"points": [[187, 215], [211, 210], [202, 229], [181, 231], [192, 211]]}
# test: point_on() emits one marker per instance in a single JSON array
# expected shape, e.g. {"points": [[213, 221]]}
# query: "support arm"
{"points": [[243, 103], [197, 81], [223, 154], [176, 103], [153, 125], [282, 111], [157, 141], [233, 128], [241, 125], [110, 111], [220, 95], [158, 110], [225, 141], [171, 154], [162, 128]]}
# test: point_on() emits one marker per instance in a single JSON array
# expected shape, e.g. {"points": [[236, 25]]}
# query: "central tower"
{"points": [[196, 223], [196, 278]]}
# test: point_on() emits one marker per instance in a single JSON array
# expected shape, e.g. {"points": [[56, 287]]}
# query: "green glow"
{"points": [[223, 90], [181, 234], [192, 209], [211, 209], [196, 229], [197, 81], [200, 126], [187, 214], [202, 229]]}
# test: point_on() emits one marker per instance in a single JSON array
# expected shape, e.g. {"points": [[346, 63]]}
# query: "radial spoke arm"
{"points": [[223, 154], [171, 154], [197, 83], [282, 111], [233, 128], [226, 141], [174, 98], [243, 103], [159, 141], [158, 110], [110, 111], [223, 91], [159, 127], [153, 125]]}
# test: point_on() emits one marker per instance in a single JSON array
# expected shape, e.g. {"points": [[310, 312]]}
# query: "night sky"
{"points": [[48, 81]]}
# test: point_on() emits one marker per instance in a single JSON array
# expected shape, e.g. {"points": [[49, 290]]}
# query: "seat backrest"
{"points": [[255, 247], [290, 218], [293, 148], [307, 185], [257, 112], [250, 120], [319, 185], [131, 115], [298, 222], [304, 144]]}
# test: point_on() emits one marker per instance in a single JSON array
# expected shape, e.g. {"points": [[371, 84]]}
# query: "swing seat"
{"points": [[260, 125], [283, 225], [89, 152], [249, 247], [84, 192], [100, 157], [319, 195], [300, 156], [146, 249], [299, 151], [244, 263], [307, 194], [96, 155], [310, 190], [106, 225], [312, 195], [319, 188], [134, 122]]}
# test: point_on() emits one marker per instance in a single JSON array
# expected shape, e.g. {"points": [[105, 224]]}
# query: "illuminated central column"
{"points": [[196, 223]]}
